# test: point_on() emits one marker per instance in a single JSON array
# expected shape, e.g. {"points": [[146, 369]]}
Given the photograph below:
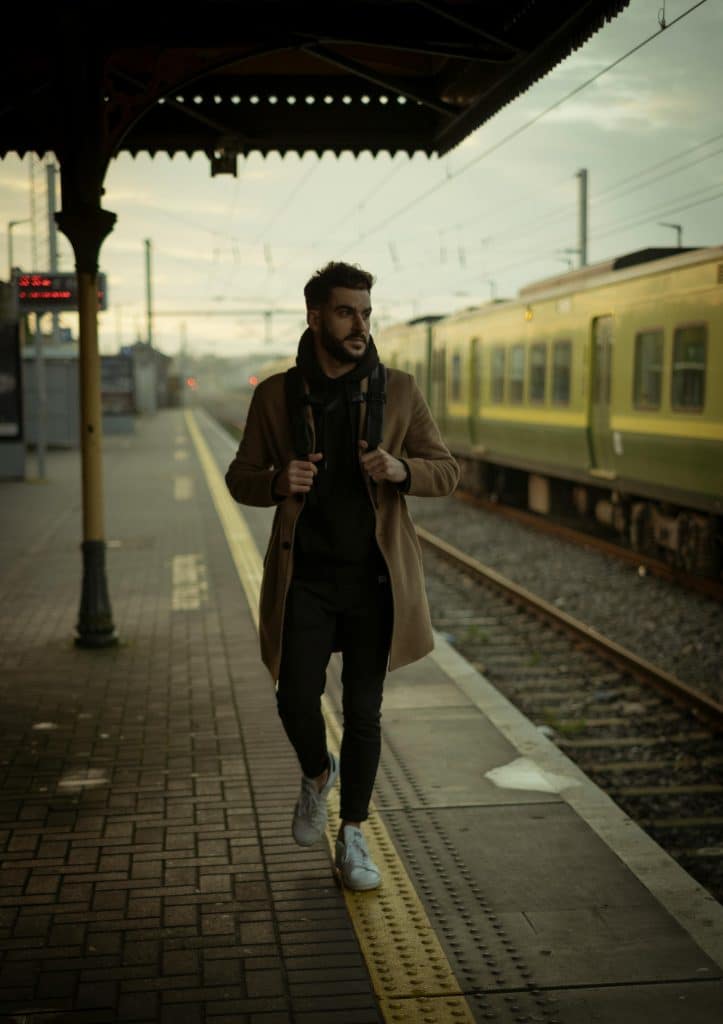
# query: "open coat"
{"points": [[409, 433]]}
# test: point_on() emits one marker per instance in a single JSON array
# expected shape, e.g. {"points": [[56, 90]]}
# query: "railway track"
{"points": [[578, 535], [654, 743]]}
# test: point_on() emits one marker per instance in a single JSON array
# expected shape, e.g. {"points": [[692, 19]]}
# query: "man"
{"points": [[343, 567]]}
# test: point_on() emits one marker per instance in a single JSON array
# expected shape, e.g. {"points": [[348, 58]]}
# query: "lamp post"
{"points": [[12, 224]]}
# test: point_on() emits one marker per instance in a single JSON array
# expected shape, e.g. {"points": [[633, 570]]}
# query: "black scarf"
{"points": [[325, 396], [309, 365]]}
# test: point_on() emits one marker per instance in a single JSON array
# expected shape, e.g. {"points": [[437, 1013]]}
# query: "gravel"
{"points": [[679, 631]]}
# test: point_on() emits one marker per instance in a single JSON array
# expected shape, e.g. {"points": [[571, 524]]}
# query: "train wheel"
{"points": [[689, 542], [642, 534]]}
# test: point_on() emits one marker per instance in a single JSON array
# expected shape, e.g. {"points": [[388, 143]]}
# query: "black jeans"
{"points": [[354, 616]]}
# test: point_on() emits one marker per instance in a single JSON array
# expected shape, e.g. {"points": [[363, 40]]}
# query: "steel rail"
{"points": [[690, 697]]}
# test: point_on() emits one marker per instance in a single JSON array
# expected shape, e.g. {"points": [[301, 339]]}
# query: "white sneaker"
{"points": [[310, 811], [354, 865]]}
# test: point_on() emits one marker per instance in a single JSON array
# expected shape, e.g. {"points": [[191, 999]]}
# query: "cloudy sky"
{"points": [[649, 132]]}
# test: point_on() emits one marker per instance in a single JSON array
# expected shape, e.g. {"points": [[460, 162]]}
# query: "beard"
{"points": [[336, 349]]}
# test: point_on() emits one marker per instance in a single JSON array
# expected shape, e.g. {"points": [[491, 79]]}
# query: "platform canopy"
{"points": [[230, 77], [88, 81]]}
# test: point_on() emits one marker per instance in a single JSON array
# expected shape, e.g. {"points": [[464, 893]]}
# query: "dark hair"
{"points": [[335, 275]]}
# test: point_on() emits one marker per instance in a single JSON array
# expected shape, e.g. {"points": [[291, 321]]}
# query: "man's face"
{"points": [[342, 324]]}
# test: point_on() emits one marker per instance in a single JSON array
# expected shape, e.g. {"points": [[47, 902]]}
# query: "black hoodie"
{"points": [[335, 531]]}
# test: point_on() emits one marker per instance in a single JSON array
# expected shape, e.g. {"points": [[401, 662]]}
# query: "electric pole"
{"points": [[678, 228], [582, 217], [149, 301]]}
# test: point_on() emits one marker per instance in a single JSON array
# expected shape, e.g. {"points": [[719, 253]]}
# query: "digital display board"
{"points": [[49, 293]]}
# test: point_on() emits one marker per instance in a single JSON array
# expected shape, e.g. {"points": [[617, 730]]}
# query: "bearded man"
{"points": [[343, 568]]}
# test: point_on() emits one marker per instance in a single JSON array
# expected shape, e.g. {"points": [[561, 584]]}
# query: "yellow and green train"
{"points": [[599, 392]]}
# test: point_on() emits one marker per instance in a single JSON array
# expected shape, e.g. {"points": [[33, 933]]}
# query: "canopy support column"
{"points": [[86, 230]]}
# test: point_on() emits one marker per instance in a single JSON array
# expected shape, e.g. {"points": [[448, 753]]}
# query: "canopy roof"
{"points": [[236, 76]]}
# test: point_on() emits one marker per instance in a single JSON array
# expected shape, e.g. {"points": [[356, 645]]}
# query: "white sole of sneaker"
{"points": [[341, 884]]}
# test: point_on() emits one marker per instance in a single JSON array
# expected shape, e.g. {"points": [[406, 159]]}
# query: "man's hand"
{"points": [[298, 476], [380, 465]]}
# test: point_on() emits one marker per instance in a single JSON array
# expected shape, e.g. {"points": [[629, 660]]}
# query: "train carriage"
{"points": [[600, 391]]}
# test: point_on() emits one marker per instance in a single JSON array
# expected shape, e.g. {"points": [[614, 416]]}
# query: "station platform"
{"points": [[147, 868]]}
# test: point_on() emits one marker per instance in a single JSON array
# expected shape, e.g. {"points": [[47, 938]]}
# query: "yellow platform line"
{"points": [[410, 973], [241, 544]]}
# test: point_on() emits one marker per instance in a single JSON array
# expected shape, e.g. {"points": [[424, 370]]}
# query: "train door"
{"points": [[601, 448], [439, 387], [475, 390]]}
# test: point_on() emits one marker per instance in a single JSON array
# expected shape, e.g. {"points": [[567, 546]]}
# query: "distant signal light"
{"points": [[253, 380]]}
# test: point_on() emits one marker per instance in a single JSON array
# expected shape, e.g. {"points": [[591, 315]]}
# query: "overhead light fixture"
{"points": [[225, 157]]}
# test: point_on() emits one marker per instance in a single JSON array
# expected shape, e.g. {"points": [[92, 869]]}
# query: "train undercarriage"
{"points": [[689, 539]]}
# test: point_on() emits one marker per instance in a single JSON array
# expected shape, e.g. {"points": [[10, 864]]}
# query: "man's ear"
{"points": [[312, 318]]}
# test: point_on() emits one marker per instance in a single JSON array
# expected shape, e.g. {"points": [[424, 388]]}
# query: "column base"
{"points": [[95, 619]]}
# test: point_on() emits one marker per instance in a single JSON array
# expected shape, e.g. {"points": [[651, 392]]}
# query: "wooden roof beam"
{"points": [[470, 26], [224, 130], [448, 49], [353, 66]]}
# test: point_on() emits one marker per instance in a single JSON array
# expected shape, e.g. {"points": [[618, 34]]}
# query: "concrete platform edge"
{"points": [[690, 904]]}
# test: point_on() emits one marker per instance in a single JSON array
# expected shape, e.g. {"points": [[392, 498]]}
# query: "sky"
{"points": [[649, 132]]}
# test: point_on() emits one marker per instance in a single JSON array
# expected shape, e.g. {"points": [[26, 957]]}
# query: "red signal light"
{"points": [[253, 380]]}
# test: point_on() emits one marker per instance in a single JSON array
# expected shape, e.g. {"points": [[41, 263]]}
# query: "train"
{"points": [[597, 393]]}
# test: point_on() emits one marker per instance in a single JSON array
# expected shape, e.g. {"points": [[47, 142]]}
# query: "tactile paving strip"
{"points": [[486, 959], [492, 973], [408, 967]]}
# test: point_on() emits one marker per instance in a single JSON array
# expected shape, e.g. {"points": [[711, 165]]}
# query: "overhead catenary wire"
{"points": [[451, 175], [662, 207], [286, 203], [599, 198], [666, 207], [501, 237], [356, 208], [662, 163]]}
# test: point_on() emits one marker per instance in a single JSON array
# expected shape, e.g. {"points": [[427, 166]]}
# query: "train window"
{"points": [[497, 376], [689, 351], [561, 364], [516, 392], [648, 369], [455, 381], [538, 371], [517, 373]]}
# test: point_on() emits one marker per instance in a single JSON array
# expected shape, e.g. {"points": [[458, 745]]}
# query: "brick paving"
{"points": [[147, 873]]}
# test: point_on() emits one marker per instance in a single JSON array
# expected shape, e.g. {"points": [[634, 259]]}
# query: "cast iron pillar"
{"points": [[86, 228]]}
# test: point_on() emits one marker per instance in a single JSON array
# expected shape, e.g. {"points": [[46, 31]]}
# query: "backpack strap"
{"points": [[376, 396], [296, 403]]}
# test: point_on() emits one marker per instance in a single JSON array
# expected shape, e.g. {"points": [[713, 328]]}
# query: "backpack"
{"points": [[297, 399]]}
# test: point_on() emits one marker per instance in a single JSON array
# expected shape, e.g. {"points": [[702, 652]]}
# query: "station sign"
{"points": [[53, 293]]}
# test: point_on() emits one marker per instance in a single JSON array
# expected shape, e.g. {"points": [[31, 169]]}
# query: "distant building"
{"points": [[150, 376]]}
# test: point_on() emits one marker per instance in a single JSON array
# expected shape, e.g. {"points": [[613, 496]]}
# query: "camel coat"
{"points": [[409, 433]]}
